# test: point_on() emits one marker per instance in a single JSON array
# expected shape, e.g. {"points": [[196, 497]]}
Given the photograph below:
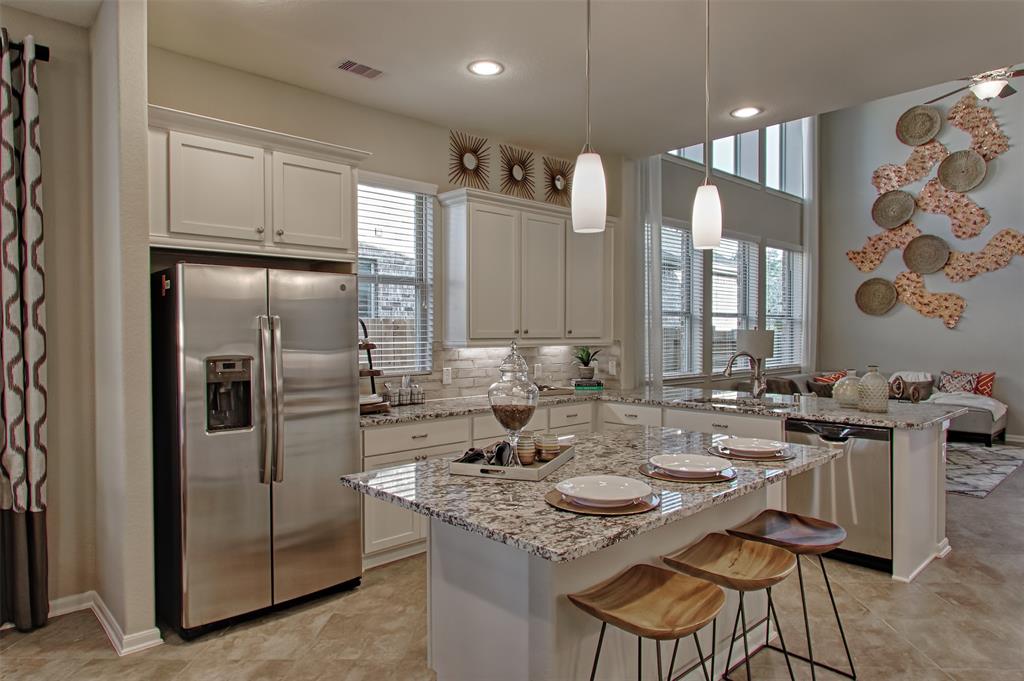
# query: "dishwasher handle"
{"points": [[838, 432]]}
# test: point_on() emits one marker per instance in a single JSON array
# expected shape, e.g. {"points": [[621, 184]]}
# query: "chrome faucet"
{"points": [[758, 384]]}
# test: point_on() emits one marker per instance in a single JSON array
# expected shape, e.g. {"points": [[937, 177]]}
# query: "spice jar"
{"points": [[513, 396]]}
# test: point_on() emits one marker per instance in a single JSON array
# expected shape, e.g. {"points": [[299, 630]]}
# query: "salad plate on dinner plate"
{"points": [[690, 465], [752, 446], [718, 450], [603, 491]]}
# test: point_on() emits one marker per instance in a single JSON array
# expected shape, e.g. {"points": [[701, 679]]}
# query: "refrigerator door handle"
{"points": [[275, 325], [267, 400]]}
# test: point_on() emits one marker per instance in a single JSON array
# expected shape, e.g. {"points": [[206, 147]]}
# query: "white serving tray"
{"points": [[534, 472]]}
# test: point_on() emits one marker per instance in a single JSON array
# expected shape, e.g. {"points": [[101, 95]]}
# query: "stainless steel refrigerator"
{"points": [[255, 419]]}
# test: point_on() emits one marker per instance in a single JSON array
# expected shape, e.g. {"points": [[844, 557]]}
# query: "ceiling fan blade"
{"points": [[961, 89], [1007, 91]]}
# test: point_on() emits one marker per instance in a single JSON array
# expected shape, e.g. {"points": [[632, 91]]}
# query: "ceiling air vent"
{"points": [[360, 69]]}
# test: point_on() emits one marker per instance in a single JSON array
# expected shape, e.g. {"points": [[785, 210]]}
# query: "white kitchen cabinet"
{"points": [[493, 272], [215, 188], [587, 268], [385, 525], [727, 424], [313, 202], [613, 413], [514, 269], [230, 188], [542, 289]]}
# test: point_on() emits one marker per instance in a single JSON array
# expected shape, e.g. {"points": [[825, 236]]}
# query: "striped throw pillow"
{"points": [[830, 378]]}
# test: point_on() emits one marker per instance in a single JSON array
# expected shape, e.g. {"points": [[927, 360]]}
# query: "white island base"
{"points": [[498, 613]]}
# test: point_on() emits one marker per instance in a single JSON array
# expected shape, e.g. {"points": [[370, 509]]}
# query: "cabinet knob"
{"points": [[280, 232], [570, 332], [525, 331], [515, 331], [260, 230]]}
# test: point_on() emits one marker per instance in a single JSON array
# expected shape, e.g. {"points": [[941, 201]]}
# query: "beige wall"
{"points": [[124, 485], [64, 85], [401, 146]]}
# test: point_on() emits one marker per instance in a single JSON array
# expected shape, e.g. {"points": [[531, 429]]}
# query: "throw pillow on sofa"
{"points": [[820, 389], [979, 382], [832, 378]]}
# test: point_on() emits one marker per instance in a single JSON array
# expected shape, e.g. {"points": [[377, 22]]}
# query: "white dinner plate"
{"points": [[752, 445], [690, 465], [605, 491]]}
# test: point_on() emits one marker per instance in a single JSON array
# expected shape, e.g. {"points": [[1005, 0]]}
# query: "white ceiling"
{"points": [[77, 12], [792, 57]]}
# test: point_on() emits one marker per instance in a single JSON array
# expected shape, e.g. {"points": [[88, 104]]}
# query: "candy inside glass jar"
{"points": [[513, 396]]}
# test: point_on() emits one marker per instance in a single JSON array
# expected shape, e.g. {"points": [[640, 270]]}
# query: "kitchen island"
{"points": [[500, 560]]}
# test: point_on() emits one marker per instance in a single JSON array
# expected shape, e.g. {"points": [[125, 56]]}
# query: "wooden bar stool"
{"points": [[802, 535], [651, 602], [740, 565]]}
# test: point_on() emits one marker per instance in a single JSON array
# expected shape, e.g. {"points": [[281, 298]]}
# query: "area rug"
{"points": [[976, 470]]}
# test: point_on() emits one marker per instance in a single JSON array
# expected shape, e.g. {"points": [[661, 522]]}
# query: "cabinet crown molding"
{"points": [[464, 195], [184, 121]]}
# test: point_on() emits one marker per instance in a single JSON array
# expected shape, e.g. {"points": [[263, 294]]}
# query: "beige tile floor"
{"points": [[961, 620]]}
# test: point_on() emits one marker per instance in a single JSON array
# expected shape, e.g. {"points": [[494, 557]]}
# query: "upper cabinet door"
{"points": [[543, 276], [493, 272], [585, 284], [313, 203], [215, 188]]}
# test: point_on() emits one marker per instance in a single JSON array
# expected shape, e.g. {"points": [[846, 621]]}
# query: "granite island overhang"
{"points": [[500, 559]]}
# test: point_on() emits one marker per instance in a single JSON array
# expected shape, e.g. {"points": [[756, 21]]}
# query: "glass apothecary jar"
{"points": [[513, 397]]}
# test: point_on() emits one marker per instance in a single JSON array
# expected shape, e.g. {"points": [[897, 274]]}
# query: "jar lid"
{"points": [[513, 361]]}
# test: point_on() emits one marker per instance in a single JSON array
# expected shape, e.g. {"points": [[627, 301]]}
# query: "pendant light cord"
{"points": [[586, 147], [707, 91]]}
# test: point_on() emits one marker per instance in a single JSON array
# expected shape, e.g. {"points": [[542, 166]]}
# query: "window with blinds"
{"points": [[733, 296], [682, 309], [396, 280], [784, 305]]}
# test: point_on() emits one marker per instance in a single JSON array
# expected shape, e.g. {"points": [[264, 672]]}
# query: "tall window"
{"points": [[682, 301], [693, 153], [733, 296], [784, 157], [784, 303], [396, 280]]}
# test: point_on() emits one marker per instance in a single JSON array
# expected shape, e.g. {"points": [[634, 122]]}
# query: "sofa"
{"points": [[977, 425]]}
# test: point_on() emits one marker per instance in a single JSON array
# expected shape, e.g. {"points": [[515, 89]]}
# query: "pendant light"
{"points": [[589, 195], [707, 206]]}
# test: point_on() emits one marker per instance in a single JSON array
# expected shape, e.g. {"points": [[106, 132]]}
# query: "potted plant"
{"points": [[584, 356]]}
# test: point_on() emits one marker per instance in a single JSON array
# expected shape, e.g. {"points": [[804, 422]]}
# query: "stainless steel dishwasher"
{"points": [[854, 490]]}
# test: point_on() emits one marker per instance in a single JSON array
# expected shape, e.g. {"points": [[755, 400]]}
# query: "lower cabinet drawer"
{"points": [[389, 439], [571, 430], [727, 424], [571, 415], [630, 414], [487, 427]]}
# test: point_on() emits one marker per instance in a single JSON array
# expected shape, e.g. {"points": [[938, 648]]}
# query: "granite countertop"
{"points": [[901, 415], [515, 513]]}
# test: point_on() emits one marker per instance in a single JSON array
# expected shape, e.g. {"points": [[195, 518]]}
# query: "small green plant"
{"points": [[584, 355]]}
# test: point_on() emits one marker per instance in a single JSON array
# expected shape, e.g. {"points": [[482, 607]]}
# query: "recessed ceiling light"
{"points": [[485, 67], [745, 112]]}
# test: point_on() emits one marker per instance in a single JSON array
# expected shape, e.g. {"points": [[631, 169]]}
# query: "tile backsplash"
{"points": [[475, 369]]}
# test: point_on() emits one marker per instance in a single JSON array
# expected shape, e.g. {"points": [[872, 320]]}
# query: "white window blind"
{"points": [[733, 296], [396, 281], [682, 285], [784, 305]]}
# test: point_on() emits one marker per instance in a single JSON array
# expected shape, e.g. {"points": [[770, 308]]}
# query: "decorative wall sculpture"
{"points": [[996, 254], [557, 180], [926, 254], [468, 160], [967, 218], [921, 161], [946, 306], [879, 245], [516, 171], [893, 208], [962, 171], [918, 125], [980, 123]]}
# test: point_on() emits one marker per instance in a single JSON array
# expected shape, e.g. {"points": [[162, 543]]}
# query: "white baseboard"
{"points": [[90, 600], [391, 555], [1016, 439]]}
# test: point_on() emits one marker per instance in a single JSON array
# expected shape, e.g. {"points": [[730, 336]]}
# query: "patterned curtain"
{"points": [[23, 563]]}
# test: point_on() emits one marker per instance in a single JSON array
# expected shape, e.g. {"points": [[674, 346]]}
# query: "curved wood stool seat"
{"points": [[799, 534], [652, 602], [734, 563]]}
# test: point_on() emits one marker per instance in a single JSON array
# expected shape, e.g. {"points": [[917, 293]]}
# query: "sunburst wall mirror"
{"points": [[557, 181], [468, 160], [516, 171]]}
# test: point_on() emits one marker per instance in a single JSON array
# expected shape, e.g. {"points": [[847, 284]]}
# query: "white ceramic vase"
{"points": [[845, 390], [873, 392]]}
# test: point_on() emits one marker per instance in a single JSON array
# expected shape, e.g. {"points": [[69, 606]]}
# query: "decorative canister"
{"points": [[845, 390], [514, 396], [547, 446], [873, 392]]}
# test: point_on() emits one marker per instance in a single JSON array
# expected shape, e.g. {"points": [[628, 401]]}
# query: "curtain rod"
{"points": [[42, 51]]}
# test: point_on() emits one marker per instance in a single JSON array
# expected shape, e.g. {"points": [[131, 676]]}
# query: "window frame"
{"points": [[697, 311], [798, 311]]}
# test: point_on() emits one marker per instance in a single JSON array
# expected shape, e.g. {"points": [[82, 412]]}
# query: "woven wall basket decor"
{"points": [[926, 254], [893, 208], [962, 171], [876, 296], [918, 125]]}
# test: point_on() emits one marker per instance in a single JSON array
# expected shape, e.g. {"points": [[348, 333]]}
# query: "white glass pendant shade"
{"points": [[987, 89], [707, 217], [589, 195]]}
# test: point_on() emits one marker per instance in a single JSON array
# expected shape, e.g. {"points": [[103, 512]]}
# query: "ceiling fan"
{"points": [[995, 83]]}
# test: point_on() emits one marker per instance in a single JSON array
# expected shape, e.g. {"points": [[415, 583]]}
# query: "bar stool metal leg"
{"points": [[807, 622], [839, 621], [639, 658], [597, 655], [782, 641], [746, 649], [732, 640], [672, 663], [700, 656], [657, 649]]}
